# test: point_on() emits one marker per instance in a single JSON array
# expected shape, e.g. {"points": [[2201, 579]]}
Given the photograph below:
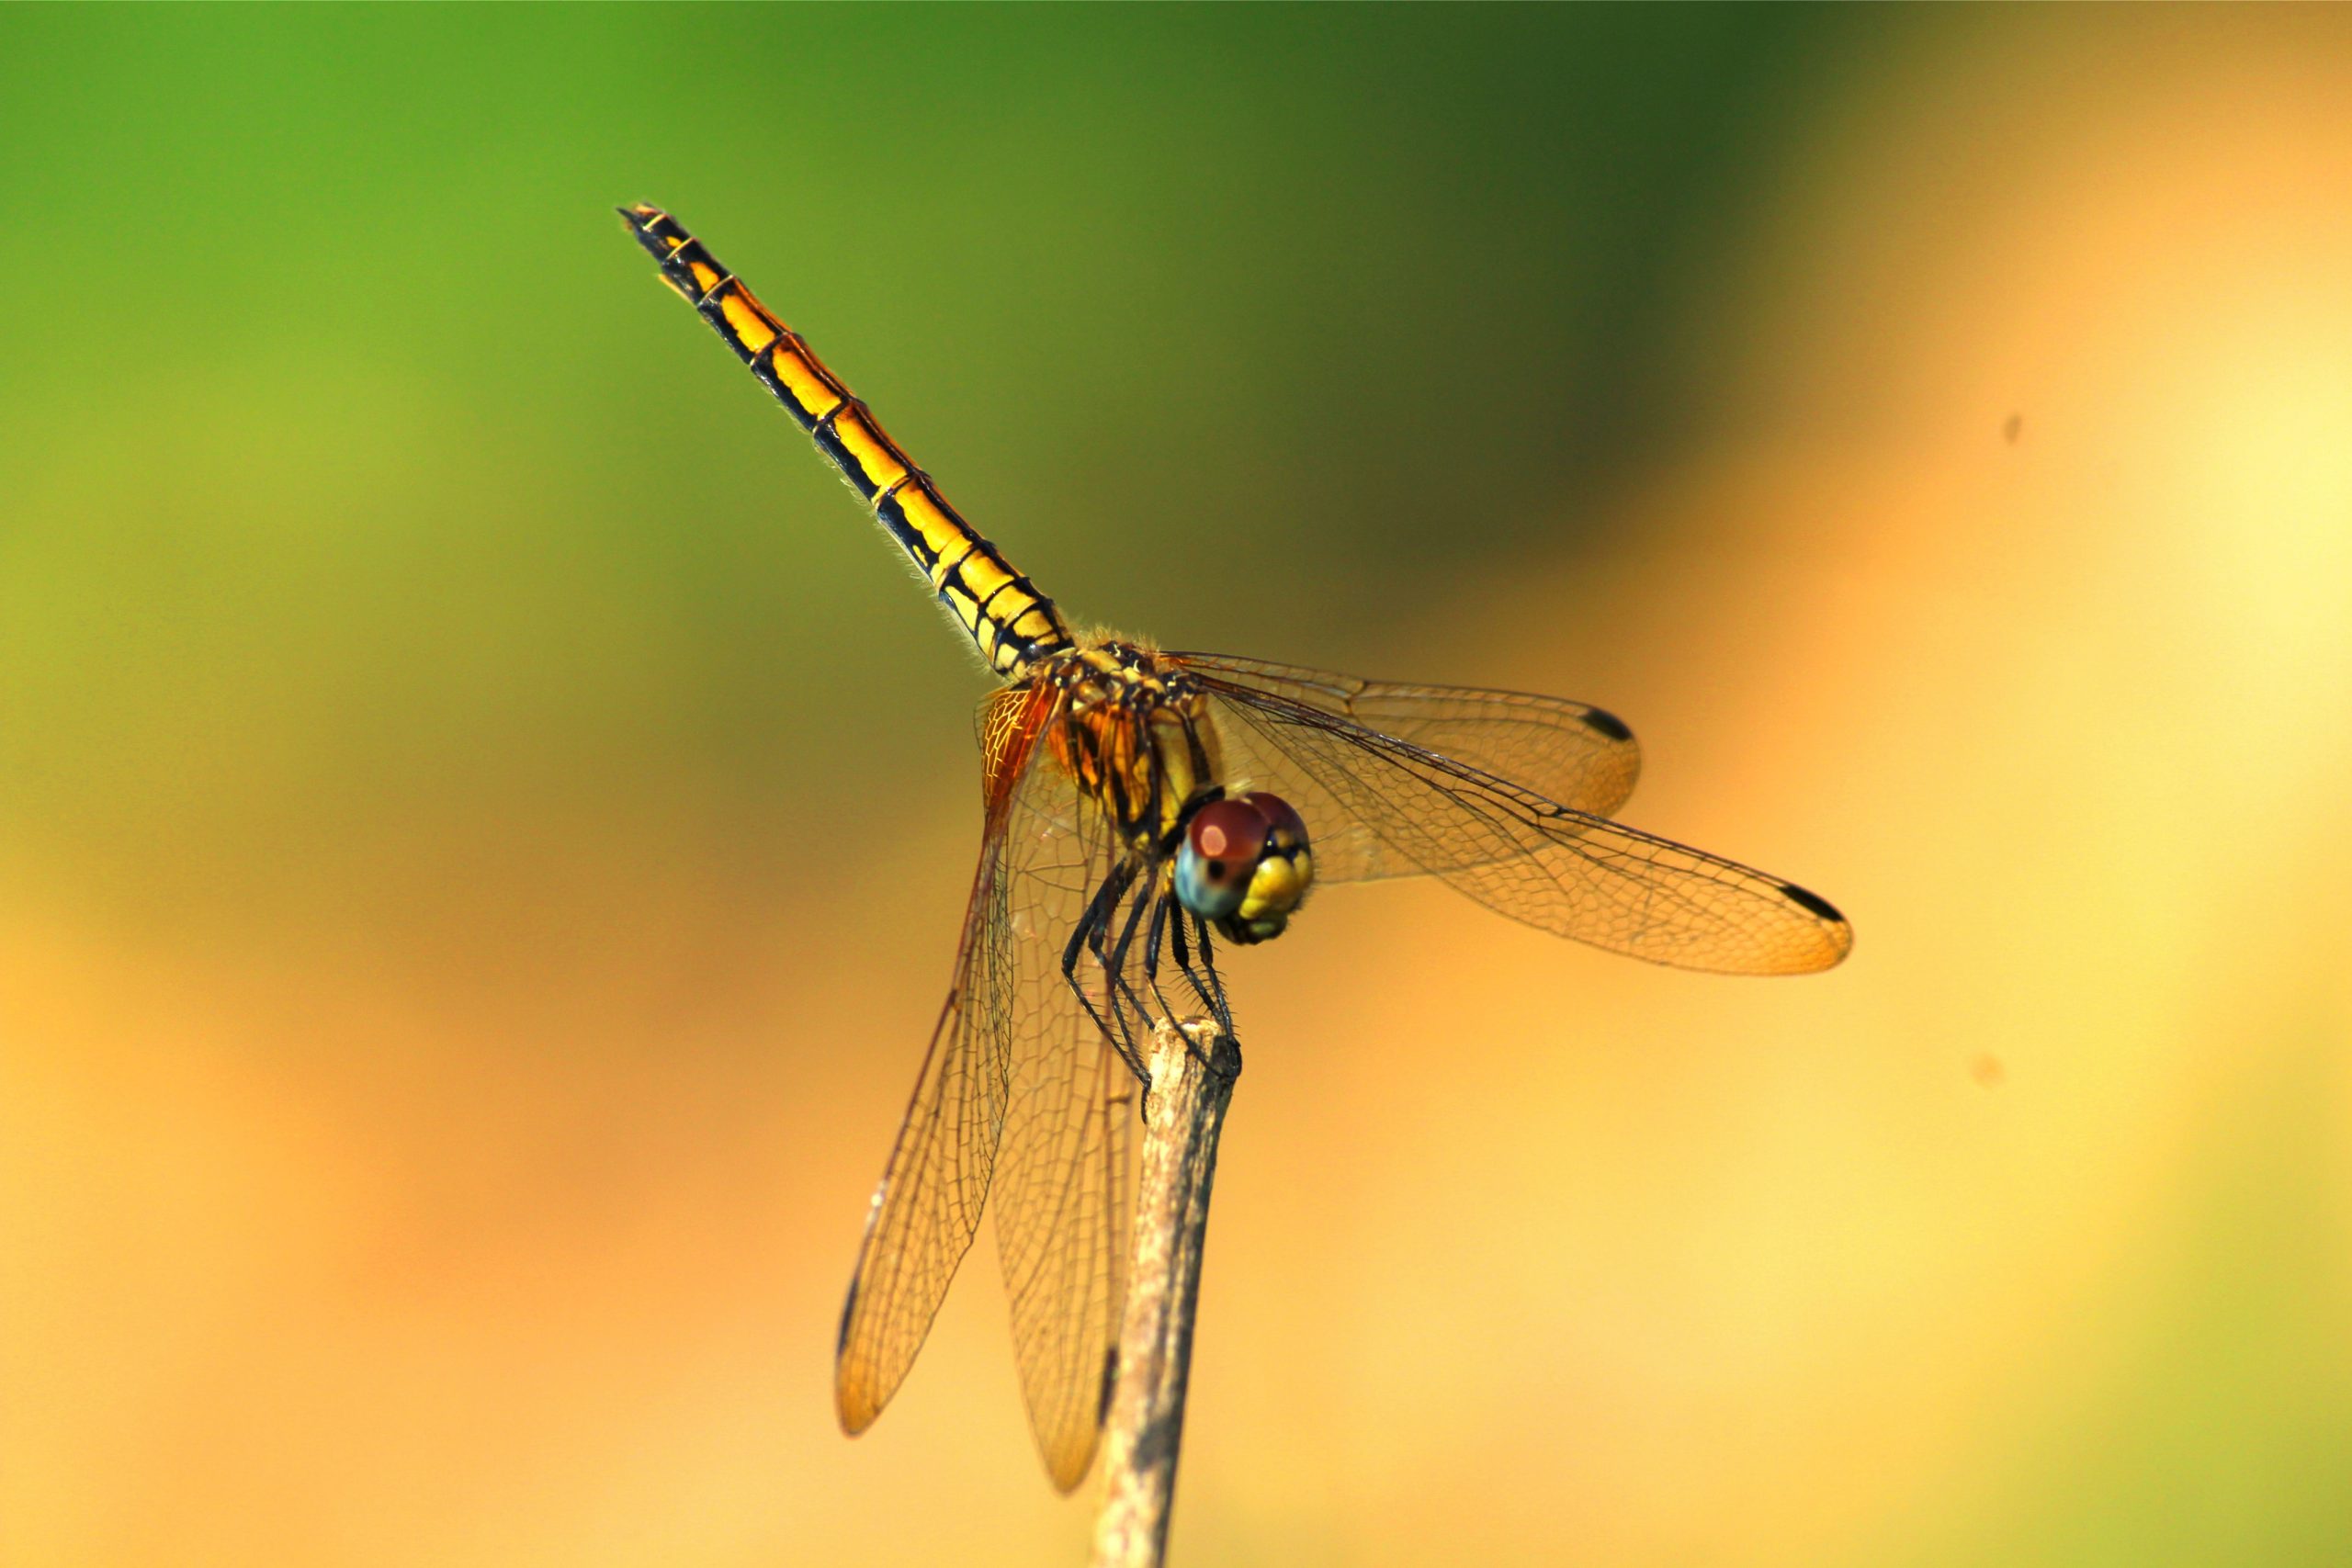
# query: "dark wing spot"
{"points": [[1813, 901], [1110, 1383], [1608, 723], [849, 1311]]}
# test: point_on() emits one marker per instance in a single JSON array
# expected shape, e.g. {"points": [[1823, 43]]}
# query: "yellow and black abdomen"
{"points": [[1011, 623]]}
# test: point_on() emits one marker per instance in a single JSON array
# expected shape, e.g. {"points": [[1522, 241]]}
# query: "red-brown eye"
{"points": [[1228, 836], [1222, 843], [1284, 825]]}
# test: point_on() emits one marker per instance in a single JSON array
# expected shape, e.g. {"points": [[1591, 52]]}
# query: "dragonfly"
{"points": [[1138, 807]]}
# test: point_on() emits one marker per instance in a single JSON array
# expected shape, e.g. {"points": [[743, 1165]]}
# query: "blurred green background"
{"points": [[483, 823]]}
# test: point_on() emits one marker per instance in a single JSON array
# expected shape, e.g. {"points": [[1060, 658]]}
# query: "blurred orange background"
{"points": [[482, 825]]}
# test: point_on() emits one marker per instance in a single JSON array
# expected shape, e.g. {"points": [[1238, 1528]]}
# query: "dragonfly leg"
{"points": [[1087, 936], [1210, 989], [1154, 942], [1115, 963], [1214, 992]]}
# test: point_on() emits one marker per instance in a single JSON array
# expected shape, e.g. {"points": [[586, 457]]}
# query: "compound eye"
{"points": [[1220, 852], [1286, 828], [1231, 831]]}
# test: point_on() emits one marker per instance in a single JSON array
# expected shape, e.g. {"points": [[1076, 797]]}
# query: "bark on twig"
{"points": [[1192, 1070]]}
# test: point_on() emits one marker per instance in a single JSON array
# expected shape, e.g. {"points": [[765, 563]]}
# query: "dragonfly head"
{"points": [[1245, 866]]}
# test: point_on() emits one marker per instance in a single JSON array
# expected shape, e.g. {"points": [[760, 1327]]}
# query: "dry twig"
{"points": [[1192, 1070]]}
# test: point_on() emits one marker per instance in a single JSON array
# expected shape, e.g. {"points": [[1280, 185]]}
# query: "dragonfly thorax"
{"points": [[1136, 735], [1133, 735]]}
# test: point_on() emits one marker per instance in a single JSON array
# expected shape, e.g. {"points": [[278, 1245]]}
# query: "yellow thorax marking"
{"points": [[1137, 743]]}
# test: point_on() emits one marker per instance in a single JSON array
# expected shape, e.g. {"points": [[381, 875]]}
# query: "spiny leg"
{"points": [[1114, 961], [1154, 942], [1210, 990], [1087, 935], [1214, 992]]}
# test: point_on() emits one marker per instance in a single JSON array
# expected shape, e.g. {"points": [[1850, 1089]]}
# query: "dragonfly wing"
{"points": [[1063, 1183], [929, 1202], [1385, 806], [1021, 1097], [1576, 755]]}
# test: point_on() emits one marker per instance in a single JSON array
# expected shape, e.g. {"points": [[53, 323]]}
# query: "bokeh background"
{"points": [[484, 823]]}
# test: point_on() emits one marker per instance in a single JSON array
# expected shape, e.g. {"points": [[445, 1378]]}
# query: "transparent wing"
{"points": [[928, 1206], [1387, 806], [1574, 755], [1064, 1182], [1018, 1093]]}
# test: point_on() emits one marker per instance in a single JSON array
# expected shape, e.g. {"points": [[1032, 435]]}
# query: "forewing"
{"points": [[928, 1206], [1021, 1095], [1573, 754], [1379, 806], [929, 1202], [1063, 1184]]}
